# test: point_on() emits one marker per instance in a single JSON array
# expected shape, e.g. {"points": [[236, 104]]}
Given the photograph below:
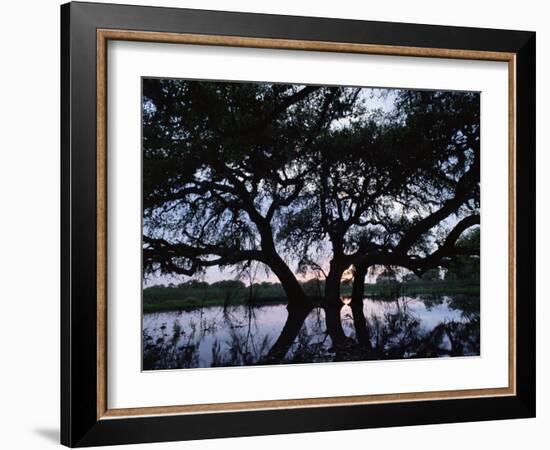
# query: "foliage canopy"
{"points": [[307, 178]]}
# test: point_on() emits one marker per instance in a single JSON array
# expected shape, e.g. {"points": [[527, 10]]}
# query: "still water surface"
{"points": [[408, 327]]}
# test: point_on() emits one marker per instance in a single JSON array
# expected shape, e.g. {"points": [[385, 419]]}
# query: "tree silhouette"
{"points": [[292, 175], [387, 186], [221, 163]]}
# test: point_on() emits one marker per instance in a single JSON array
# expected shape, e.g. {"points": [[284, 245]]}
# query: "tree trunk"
{"points": [[293, 290], [333, 282], [358, 289]]}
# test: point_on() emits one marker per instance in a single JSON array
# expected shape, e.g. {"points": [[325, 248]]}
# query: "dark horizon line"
{"points": [[278, 283]]}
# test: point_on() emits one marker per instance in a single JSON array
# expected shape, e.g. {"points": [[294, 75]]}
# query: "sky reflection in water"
{"points": [[404, 328]]}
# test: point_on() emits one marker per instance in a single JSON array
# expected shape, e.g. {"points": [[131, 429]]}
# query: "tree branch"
{"points": [[462, 193], [162, 252]]}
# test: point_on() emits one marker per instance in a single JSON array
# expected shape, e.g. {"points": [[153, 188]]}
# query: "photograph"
{"points": [[297, 223]]}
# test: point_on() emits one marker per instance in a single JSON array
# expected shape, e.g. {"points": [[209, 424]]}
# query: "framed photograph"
{"points": [[276, 224]]}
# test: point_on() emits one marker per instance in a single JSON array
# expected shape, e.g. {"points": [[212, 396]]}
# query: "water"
{"points": [[409, 327]]}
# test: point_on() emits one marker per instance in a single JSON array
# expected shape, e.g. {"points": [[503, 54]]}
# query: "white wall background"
{"points": [[29, 224]]}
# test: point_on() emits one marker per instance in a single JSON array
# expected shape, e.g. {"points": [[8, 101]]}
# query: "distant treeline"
{"points": [[195, 294]]}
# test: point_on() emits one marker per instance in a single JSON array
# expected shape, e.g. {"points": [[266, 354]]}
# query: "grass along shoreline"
{"points": [[195, 295]]}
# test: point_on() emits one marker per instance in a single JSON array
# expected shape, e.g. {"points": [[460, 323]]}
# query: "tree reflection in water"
{"points": [[377, 330]]}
